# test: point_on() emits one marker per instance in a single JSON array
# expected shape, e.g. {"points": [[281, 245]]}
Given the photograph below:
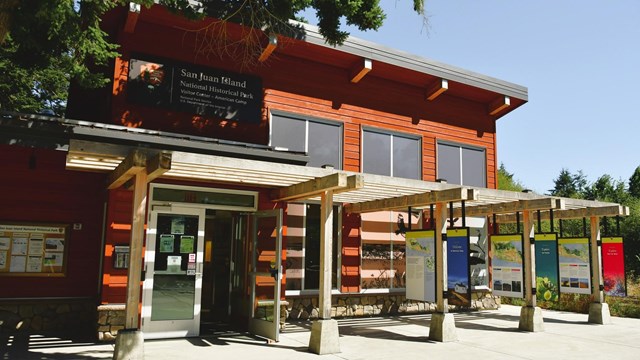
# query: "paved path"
{"points": [[490, 334]]}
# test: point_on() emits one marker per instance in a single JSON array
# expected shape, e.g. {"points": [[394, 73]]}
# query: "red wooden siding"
{"points": [[47, 193]]}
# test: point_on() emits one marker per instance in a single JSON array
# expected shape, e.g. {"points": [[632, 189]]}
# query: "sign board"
{"points": [[421, 265], [33, 249], [195, 89], [575, 269], [613, 266], [547, 282], [458, 269], [506, 265]]}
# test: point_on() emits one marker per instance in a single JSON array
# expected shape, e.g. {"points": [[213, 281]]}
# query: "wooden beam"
{"points": [[271, 45], [499, 104], [156, 166], [135, 250], [511, 207], [599, 211], [335, 182], [135, 162], [132, 17], [436, 89], [360, 70], [424, 199]]}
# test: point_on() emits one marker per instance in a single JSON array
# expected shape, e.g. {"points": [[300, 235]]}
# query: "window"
{"points": [[303, 247], [320, 139], [391, 154], [383, 249], [462, 164]]}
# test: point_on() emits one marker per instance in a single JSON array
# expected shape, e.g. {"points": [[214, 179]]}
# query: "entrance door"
{"points": [[266, 272], [173, 273]]}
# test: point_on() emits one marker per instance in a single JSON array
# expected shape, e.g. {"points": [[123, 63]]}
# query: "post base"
{"points": [[442, 328], [129, 345], [599, 314], [531, 319], [324, 337]]}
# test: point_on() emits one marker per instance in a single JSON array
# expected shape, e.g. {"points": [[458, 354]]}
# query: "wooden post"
{"points": [[528, 248], [326, 247], [442, 304], [135, 250], [596, 261], [442, 327], [530, 315], [598, 310], [325, 337]]}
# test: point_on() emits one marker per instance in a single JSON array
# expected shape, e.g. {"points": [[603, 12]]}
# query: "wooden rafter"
{"points": [[132, 17], [598, 211], [512, 207], [437, 89], [271, 46], [360, 70], [156, 167], [135, 162], [417, 200], [499, 104], [336, 182]]}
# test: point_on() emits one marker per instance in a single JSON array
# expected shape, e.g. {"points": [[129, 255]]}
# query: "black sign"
{"points": [[196, 90]]}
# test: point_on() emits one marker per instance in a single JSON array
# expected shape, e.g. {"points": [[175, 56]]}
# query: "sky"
{"points": [[579, 59]]}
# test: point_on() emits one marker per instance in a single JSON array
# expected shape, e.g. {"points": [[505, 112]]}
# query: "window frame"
{"points": [[392, 134], [460, 146], [307, 119], [337, 215]]}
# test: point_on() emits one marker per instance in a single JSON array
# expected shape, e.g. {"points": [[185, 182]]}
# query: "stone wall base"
{"points": [[361, 305], [111, 318], [62, 316]]}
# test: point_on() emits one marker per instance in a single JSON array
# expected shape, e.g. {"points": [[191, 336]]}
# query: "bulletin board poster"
{"points": [[506, 265], [575, 269], [613, 266], [421, 265], [458, 269], [547, 280], [33, 249]]}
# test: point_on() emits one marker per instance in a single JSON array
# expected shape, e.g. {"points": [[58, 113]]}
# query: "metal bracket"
{"points": [[445, 294], [601, 287], [534, 291], [444, 237], [532, 240], [599, 242]]}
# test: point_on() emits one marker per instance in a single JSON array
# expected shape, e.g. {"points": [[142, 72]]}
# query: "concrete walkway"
{"points": [[491, 334]]}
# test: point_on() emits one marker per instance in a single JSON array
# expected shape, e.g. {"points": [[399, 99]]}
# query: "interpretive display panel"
{"points": [[613, 266], [33, 249], [421, 265], [547, 285], [575, 269], [506, 265], [458, 271]]}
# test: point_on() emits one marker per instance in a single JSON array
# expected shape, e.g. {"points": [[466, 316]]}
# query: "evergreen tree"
{"points": [[634, 184]]}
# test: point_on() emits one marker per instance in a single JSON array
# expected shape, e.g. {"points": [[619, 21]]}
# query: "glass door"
{"points": [[173, 273], [266, 273]]}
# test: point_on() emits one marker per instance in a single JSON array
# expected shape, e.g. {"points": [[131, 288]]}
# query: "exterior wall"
{"points": [[36, 188]]}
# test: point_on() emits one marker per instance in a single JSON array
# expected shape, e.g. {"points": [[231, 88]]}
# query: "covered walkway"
{"points": [[489, 334]]}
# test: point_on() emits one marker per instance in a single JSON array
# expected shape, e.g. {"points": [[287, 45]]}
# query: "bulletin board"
{"points": [[33, 249]]}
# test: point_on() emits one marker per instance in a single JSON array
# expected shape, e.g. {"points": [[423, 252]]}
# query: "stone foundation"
{"points": [[63, 316], [111, 318], [361, 305]]}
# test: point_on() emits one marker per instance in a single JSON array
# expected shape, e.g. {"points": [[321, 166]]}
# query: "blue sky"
{"points": [[580, 60]]}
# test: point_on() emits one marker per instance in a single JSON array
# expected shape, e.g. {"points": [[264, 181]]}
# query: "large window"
{"points": [[391, 154], [383, 249], [320, 139], [303, 247], [462, 164]]}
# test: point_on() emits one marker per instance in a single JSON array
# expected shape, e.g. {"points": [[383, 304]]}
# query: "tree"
{"points": [[506, 181], [569, 185], [634, 184], [55, 40], [606, 189]]}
